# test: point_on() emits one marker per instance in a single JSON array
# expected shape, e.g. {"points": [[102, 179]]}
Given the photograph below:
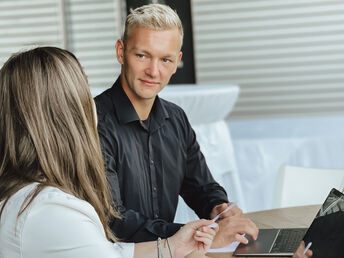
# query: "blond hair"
{"points": [[48, 130], [155, 17]]}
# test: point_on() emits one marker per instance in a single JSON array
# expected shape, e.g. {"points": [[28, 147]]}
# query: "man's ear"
{"points": [[178, 60], [120, 51]]}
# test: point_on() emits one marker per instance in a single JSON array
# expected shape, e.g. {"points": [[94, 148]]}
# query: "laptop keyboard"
{"points": [[288, 240]]}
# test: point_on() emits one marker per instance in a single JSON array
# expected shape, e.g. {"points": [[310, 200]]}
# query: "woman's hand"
{"points": [[300, 250], [194, 236]]}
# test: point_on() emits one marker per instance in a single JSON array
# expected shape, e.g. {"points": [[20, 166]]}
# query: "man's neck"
{"points": [[142, 107]]}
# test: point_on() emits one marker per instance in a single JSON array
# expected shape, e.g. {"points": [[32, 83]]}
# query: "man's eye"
{"points": [[140, 55], [165, 60]]}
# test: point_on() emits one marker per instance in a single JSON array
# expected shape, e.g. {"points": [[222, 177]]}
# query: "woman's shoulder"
{"points": [[73, 221], [49, 195], [53, 218], [50, 202], [56, 201]]}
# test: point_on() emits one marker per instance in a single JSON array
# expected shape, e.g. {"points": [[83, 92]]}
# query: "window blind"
{"points": [[24, 24], [92, 30], [287, 56], [88, 28]]}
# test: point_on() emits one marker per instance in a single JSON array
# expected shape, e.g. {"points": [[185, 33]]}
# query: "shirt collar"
{"points": [[126, 112], [158, 114], [124, 109]]}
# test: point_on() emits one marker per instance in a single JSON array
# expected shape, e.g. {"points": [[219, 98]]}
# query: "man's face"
{"points": [[148, 60]]}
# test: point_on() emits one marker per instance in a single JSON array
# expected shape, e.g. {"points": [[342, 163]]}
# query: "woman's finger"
{"points": [[212, 230], [205, 235], [203, 242], [199, 223]]}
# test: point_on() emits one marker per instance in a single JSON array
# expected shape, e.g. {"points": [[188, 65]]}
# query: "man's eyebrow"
{"points": [[169, 55], [140, 50]]}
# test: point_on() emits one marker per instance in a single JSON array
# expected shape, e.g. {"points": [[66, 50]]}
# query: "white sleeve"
{"points": [[61, 226]]}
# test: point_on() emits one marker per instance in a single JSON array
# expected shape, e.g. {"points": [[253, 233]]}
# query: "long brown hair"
{"points": [[48, 130]]}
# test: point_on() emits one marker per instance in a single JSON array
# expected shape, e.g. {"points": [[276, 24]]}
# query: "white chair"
{"points": [[297, 186]]}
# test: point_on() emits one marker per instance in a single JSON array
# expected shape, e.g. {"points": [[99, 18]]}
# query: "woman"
{"points": [[54, 197]]}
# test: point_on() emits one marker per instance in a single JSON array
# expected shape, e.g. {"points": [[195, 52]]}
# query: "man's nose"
{"points": [[153, 68]]}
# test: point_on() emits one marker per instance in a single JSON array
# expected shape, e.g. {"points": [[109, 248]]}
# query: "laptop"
{"points": [[326, 234]]}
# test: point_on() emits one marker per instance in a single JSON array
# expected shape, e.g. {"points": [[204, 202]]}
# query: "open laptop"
{"points": [[326, 234]]}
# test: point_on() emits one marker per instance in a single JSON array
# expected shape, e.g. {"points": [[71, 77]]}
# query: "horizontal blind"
{"points": [[92, 30], [287, 56], [25, 24]]}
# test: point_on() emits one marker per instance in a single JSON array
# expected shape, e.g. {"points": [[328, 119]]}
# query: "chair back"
{"points": [[296, 186]]}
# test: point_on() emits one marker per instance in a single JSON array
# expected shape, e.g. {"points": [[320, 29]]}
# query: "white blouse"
{"points": [[55, 225]]}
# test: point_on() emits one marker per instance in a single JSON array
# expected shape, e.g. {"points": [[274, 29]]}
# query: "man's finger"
{"points": [[241, 239], [235, 211], [218, 209]]}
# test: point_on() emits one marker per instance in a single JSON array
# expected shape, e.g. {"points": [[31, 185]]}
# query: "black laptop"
{"points": [[326, 234]]}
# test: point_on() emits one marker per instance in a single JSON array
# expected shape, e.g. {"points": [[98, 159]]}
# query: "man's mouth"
{"points": [[149, 83]]}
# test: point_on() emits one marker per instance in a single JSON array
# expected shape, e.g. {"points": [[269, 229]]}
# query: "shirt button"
{"points": [[151, 161], [154, 188], [156, 216]]}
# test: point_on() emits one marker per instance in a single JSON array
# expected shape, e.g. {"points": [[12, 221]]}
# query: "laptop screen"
{"points": [[327, 230]]}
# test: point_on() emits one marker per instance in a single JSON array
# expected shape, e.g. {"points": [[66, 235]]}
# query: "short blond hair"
{"points": [[153, 16]]}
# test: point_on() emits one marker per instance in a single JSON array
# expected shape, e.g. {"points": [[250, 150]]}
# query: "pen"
{"points": [[227, 209], [307, 247]]}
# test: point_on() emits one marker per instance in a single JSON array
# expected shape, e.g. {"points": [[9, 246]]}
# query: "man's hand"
{"points": [[235, 211], [232, 229], [232, 225], [299, 253]]}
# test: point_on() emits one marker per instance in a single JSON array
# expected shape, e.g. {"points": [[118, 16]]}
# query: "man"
{"points": [[149, 147]]}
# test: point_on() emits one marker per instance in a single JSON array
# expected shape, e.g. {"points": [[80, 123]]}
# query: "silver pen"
{"points": [[227, 209], [307, 247]]}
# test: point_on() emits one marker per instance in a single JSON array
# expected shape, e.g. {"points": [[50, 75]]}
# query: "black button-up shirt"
{"points": [[149, 164]]}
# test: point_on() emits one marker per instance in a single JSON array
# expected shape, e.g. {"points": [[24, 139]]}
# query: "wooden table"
{"points": [[294, 217]]}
